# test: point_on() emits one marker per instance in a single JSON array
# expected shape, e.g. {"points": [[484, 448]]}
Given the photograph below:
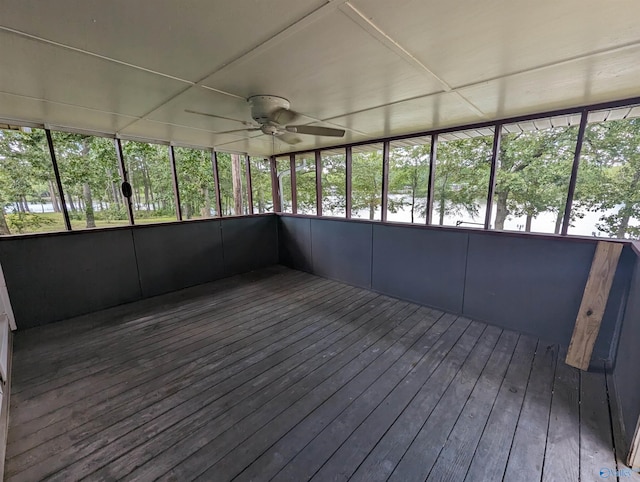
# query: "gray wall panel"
{"points": [[175, 256], [421, 265], [530, 285], [294, 238], [342, 250], [249, 243], [625, 373], [59, 276]]}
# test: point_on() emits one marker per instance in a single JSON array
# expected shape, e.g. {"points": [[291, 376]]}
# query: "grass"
{"points": [[54, 222]]}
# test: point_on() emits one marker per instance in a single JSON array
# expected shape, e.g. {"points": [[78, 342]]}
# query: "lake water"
{"points": [[544, 223]]}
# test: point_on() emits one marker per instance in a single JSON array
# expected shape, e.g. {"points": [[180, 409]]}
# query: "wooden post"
{"points": [[634, 454], [594, 301]]}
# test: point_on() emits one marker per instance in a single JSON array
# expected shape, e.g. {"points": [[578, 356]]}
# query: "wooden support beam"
{"points": [[594, 301], [634, 454]]}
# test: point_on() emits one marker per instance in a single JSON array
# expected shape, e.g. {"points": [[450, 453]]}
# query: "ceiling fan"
{"points": [[274, 116]]}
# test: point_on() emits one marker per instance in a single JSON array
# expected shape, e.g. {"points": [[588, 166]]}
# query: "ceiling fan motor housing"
{"points": [[264, 106]]}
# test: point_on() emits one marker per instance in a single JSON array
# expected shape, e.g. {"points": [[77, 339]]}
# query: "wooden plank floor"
{"points": [[281, 375]]}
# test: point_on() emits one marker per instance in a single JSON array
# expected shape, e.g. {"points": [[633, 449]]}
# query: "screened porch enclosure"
{"points": [[326, 240]]}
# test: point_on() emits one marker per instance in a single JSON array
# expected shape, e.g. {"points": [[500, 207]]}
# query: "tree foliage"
{"points": [[532, 179], [26, 178], [609, 177], [195, 181], [533, 174], [150, 177], [334, 185], [408, 179], [462, 177], [261, 185], [366, 182]]}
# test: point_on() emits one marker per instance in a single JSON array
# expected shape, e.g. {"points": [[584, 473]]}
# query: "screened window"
{"points": [[195, 182], [461, 182], [233, 189], [607, 197], [366, 181], [151, 181], [334, 170], [408, 180], [533, 172], [283, 170], [29, 198], [261, 185], [306, 183], [90, 180]]}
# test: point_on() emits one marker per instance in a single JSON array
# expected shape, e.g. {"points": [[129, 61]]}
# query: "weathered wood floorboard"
{"points": [[282, 375]]}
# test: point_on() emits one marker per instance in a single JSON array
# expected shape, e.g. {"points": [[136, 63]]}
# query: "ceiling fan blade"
{"points": [[237, 130], [284, 116], [218, 117], [316, 131], [289, 138]]}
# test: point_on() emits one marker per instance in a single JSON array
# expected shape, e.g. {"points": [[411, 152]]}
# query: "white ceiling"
{"points": [[373, 67]]}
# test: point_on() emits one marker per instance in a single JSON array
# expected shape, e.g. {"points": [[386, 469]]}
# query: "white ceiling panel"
{"points": [[153, 130], [331, 67], [596, 79], [374, 67], [187, 38], [260, 145], [205, 101], [60, 75], [309, 143], [439, 110], [464, 42], [61, 115]]}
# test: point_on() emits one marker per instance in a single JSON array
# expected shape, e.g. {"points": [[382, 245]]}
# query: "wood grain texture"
{"points": [[526, 456], [594, 301], [283, 375], [620, 444], [634, 454], [562, 454], [595, 433]]}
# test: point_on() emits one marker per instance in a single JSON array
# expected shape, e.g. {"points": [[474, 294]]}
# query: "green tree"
{"points": [[151, 178], [609, 176], [462, 176], [232, 186], [334, 200], [195, 181], [306, 184], [366, 181], [261, 185], [26, 176], [88, 168], [533, 174], [408, 179]]}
